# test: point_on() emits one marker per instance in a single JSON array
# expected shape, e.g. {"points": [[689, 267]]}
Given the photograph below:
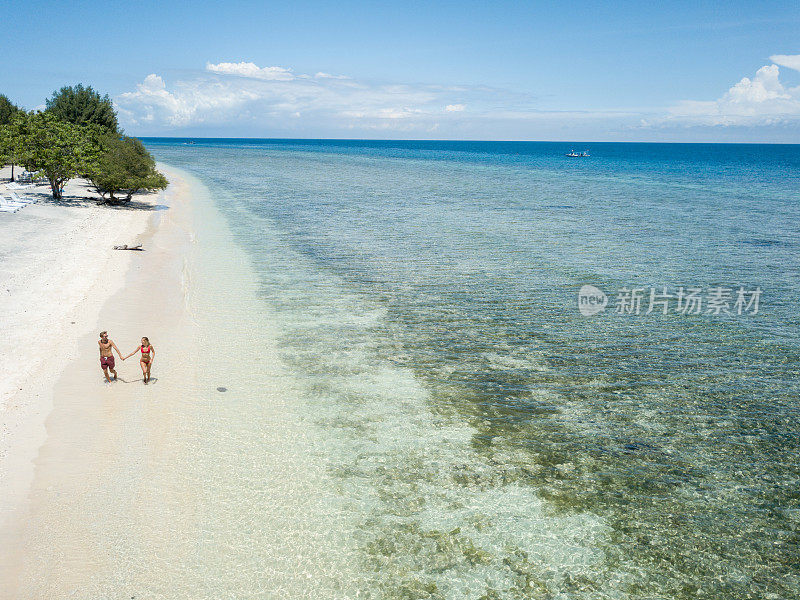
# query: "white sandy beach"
{"points": [[58, 269]]}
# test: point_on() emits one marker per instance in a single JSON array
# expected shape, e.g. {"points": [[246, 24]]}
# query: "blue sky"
{"points": [[678, 71]]}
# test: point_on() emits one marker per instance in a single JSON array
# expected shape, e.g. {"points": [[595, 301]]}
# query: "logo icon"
{"points": [[591, 300]]}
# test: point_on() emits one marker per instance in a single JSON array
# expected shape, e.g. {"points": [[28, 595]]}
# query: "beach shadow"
{"points": [[132, 205], [73, 201], [70, 201], [140, 379], [121, 380]]}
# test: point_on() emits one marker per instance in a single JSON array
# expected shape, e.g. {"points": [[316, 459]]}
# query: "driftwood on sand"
{"points": [[126, 247]]}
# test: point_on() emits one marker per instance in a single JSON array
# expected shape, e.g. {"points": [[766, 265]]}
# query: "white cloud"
{"points": [[242, 98], [153, 104], [762, 100], [248, 69], [275, 97], [152, 83], [790, 61], [765, 86]]}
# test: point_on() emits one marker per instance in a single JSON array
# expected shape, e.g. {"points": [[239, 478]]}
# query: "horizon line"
{"points": [[309, 139]]}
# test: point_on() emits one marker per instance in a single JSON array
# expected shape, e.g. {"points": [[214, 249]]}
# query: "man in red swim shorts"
{"points": [[106, 356]]}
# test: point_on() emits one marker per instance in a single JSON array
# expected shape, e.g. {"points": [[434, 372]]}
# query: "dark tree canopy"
{"points": [[7, 110], [124, 166], [59, 149], [83, 106]]}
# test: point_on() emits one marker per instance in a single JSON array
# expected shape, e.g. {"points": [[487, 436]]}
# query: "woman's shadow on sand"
{"points": [[121, 380]]}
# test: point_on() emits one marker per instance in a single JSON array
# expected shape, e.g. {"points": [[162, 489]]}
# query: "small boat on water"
{"points": [[573, 154]]}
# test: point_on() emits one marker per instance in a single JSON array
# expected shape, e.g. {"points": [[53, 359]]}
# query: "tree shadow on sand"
{"points": [[88, 202]]}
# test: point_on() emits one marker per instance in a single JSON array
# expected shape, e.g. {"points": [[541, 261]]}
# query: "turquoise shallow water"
{"points": [[481, 438]]}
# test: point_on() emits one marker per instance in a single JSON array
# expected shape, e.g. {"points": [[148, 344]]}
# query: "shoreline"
{"points": [[59, 286]]}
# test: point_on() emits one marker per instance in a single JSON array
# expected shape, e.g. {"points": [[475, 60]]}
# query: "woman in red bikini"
{"points": [[146, 361]]}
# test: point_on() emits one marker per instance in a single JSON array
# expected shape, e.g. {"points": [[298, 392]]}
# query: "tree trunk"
{"points": [[55, 185], [12, 172]]}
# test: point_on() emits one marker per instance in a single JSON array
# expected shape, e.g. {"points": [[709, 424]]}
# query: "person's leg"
{"points": [[148, 372], [113, 371], [144, 370], [105, 372]]}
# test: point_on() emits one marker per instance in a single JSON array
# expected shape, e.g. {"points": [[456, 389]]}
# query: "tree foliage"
{"points": [[59, 149], [78, 135], [83, 106], [11, 137], [124, 167], [7, 110]]}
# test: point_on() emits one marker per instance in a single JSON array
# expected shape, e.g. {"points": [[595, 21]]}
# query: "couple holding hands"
{"points": [[107, 358]]}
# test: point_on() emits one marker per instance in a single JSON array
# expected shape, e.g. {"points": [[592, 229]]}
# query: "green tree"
{"points": [[59, 149], [12, 135], [83, 106], [7, 110], [124, 167]]}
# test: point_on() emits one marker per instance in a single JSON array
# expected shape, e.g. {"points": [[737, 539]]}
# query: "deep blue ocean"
{"points": [[488, 439]]}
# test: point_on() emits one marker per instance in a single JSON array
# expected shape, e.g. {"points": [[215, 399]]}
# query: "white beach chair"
{"points": [[15, 201], [7, 205], [24, 199], [7, 202]]}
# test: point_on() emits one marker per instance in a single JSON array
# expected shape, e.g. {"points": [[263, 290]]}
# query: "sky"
{"points": [[582, 71]]}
